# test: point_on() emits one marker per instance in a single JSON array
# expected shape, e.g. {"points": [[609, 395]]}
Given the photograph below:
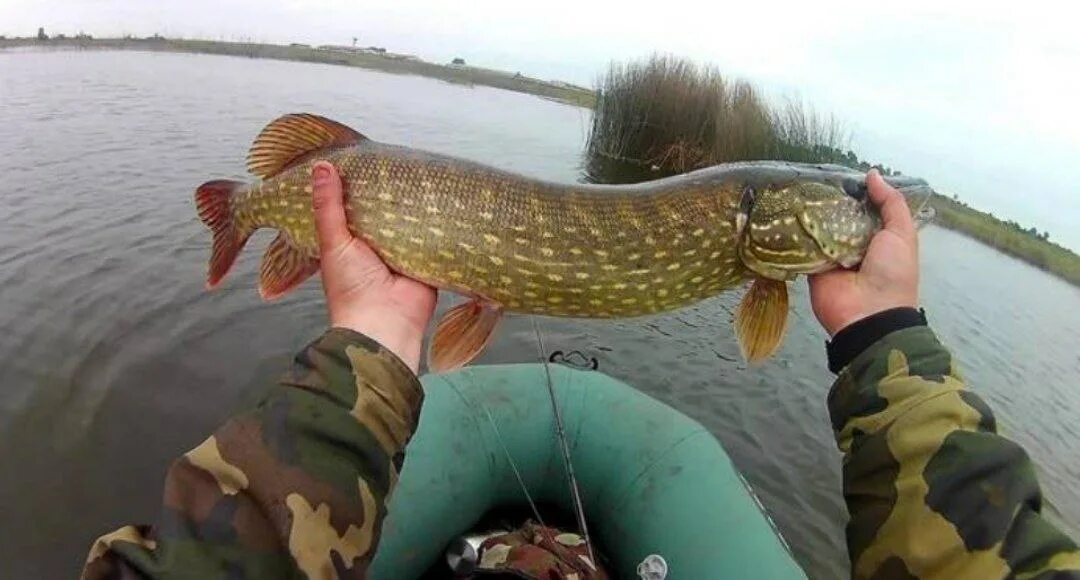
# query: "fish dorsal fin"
{"points": [[292, 136], [761, 320]]}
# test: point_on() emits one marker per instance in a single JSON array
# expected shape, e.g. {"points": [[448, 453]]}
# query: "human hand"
{"points": [[888, 276], [362, 294]]}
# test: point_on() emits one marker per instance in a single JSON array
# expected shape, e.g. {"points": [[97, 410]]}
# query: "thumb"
{"points": [[328, 203], [890, 202]]}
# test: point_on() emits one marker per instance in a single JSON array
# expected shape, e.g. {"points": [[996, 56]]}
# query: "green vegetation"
{"points": [[1009, 237], [373, 58], [669, 115], [665, 115]]}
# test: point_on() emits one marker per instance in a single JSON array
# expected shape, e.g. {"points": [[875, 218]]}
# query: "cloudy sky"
{"points": [[972, 97]]}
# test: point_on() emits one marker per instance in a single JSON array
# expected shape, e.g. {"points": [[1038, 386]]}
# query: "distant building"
{"points": [[375, 49], [41, 34], [458, 61], [300, 45]]}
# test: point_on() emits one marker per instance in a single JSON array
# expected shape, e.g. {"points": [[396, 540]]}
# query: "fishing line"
{"points": [[568, 465], [544, 530], [506, 451]]}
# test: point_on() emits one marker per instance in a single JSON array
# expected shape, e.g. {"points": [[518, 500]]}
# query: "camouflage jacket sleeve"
{"points": [[932, 489], [296, 486]]}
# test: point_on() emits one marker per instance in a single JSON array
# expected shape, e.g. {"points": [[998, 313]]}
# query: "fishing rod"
{"points": [[568, 465]]}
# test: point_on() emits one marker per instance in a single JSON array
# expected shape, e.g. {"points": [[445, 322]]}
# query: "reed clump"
{"points": [[671, 116]]}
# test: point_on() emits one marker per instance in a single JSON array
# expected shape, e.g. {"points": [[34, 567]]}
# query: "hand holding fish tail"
{"points": [[888, 277], [362, 294]]}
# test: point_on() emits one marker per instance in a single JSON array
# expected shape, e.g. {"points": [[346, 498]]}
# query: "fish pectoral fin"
{"points": [[290, 137], [462, 334], [761, 320], [283, 268]]}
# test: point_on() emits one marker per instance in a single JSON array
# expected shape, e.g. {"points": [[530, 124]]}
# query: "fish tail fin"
{"points": [[214, 201]]}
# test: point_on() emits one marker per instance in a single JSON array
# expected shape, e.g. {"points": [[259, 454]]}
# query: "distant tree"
{"points": [[41, 33], [458, 61]]}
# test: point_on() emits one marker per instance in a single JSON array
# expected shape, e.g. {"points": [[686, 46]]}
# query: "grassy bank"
{"points": [[1008, 237], [382, 61]]}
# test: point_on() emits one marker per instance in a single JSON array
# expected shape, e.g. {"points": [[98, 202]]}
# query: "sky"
{"points": [[974, 98]]}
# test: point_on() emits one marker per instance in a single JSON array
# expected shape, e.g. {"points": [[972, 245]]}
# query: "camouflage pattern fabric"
{"points": [[536, 552], [932, 489], [296, 487]]}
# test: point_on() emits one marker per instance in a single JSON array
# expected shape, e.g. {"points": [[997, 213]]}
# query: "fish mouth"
{"points": [[917, 194], [813, 227], [844, 243]]}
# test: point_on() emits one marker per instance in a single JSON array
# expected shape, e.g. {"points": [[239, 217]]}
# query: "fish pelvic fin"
{"points": [[214, 202], [762, 318], [284, 267], [462, 334], [291, 137]]}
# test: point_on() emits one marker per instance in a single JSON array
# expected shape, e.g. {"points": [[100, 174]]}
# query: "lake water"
{"points": [[114, 360]]}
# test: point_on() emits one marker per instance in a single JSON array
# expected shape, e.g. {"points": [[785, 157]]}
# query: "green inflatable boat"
{"points": [[652, 480]]}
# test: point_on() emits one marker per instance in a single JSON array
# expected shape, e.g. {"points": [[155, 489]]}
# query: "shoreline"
{"points": [[342, 56], [1006, 237]]}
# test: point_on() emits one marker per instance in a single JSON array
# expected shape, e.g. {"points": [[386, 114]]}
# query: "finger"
{"points": [[346, 261], [328, 203], [890, 202]]}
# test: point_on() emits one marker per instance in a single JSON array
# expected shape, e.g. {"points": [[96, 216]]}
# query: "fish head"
{"points": [[808, 227]]}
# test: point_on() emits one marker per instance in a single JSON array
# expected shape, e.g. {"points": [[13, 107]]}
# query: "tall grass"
{"points": [[670, 115]]}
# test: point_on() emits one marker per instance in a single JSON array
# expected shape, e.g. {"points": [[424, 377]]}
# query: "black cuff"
{"points": [[851, 341]]}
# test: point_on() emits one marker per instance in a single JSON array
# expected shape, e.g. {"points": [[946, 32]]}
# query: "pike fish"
{"points": [[515, 243]]}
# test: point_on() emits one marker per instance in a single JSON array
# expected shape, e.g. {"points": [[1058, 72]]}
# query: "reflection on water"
{"points": [[115, 360]]}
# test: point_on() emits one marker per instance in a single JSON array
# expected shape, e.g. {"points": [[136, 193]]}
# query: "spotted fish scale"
{"points": [[511, 242]]}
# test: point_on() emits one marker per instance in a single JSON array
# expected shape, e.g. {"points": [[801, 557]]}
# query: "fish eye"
{"points": [[854, 188]]}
